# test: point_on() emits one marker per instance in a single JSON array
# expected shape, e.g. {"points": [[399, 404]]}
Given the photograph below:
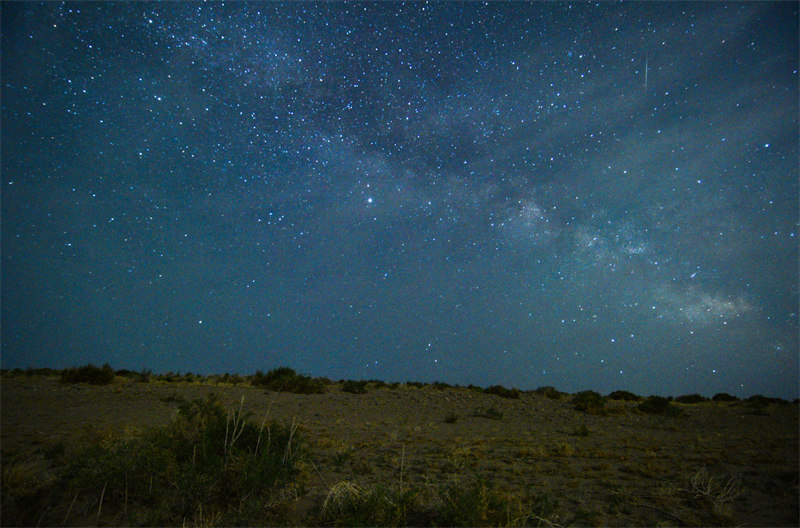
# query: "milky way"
{"points": [[589, 196]]}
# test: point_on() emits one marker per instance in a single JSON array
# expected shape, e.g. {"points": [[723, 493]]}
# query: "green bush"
{"points": [[658, 405], [284, 379], [589, 402], [691, 398], [624, 395], [503, 392], [88, 374], [355, 387]]}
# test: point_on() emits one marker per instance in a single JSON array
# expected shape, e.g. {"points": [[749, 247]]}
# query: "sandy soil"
{"points": [[627, 468]]}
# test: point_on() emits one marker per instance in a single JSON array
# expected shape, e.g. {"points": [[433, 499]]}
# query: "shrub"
{"points": [[355, 387], [724, 397], [691, 398], [624, 395], [417, 384], [549, 392], [581, 431], [451, 417], [757, 400], [488, 412], [88, 374], [589, 402], [206, 461], [284, 379], [440, 385], [658, 405], [502, 392]]}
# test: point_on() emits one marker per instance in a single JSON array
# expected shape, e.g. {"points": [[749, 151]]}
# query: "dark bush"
{"points": [[440, 385], [549, 392], [658, 405], [233, 379], [758, 400], [624, 395], [589, 402], [88, 374], [724, 397], [40, 371], [503, 392], [691, 398], [284, 379], [355, 387], [488, 412], [417, 384]]}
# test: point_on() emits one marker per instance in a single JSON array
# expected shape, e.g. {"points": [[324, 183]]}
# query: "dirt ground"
{"points": [[627, 468]]}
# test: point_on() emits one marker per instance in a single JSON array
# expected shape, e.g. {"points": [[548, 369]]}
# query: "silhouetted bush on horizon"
{"points": [[658, 405], [624, 395], [503, 392], [691, 398], [549, 392], [590, 402], [724, 397], [88, 374], [284, 379], [355, 387]]}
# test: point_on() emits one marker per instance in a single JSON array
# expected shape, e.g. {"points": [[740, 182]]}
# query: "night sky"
{"points": [[589, 196]]}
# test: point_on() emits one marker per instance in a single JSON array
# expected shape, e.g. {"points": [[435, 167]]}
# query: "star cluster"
{"points": [[591, 196]]}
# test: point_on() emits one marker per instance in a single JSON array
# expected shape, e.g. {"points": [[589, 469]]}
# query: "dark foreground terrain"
{"points": [[205, 452]]}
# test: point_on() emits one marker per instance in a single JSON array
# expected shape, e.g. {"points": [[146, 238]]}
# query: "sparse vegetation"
{"points": [[212, 464], [88, 374]]}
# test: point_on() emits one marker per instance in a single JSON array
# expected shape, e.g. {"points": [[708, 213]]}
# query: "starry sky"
{"points": [[590, 196]]}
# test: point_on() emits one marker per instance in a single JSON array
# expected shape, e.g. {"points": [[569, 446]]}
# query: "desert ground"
{"points": [[716, 463]]}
